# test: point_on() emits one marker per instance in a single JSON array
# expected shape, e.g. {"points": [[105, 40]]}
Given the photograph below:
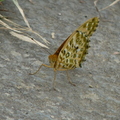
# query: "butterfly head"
{"points": [[53, 60]]}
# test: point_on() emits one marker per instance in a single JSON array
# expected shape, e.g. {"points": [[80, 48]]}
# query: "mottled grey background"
{"points": [[97, 94]]}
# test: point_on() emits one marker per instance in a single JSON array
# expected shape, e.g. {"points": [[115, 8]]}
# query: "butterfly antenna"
{"points": [[39, 45]]}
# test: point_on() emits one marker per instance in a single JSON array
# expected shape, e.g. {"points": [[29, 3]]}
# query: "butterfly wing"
{"points": [[73, 50], [89, 26]]}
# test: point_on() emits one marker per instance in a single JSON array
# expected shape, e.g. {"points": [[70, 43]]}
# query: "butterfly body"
{"points": [[73, 50]]}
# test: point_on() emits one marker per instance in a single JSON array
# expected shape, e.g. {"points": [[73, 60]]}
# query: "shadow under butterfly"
{"points": [[72, 51]]}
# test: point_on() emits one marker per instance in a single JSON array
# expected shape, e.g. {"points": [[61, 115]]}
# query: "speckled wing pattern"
{"points": [[73, 50]]}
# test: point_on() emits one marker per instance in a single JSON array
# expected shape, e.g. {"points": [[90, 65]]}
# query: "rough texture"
{"points": [[97, 94]]}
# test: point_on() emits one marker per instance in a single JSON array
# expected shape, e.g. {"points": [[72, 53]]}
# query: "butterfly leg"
{"points": [[69, 79], [39, 69], [54, 82]]}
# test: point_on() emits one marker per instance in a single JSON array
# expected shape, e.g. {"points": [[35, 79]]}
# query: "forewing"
{"points": [[73, 49], [89, 26]]}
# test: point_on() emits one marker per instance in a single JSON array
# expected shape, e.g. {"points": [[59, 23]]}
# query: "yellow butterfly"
{"points": [[73, 50]]}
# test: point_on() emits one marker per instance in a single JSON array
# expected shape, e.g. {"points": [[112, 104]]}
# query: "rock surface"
{"points": [[26, 97]]}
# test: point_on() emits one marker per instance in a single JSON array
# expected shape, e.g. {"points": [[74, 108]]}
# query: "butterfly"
{"points": [[73, 50]]}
